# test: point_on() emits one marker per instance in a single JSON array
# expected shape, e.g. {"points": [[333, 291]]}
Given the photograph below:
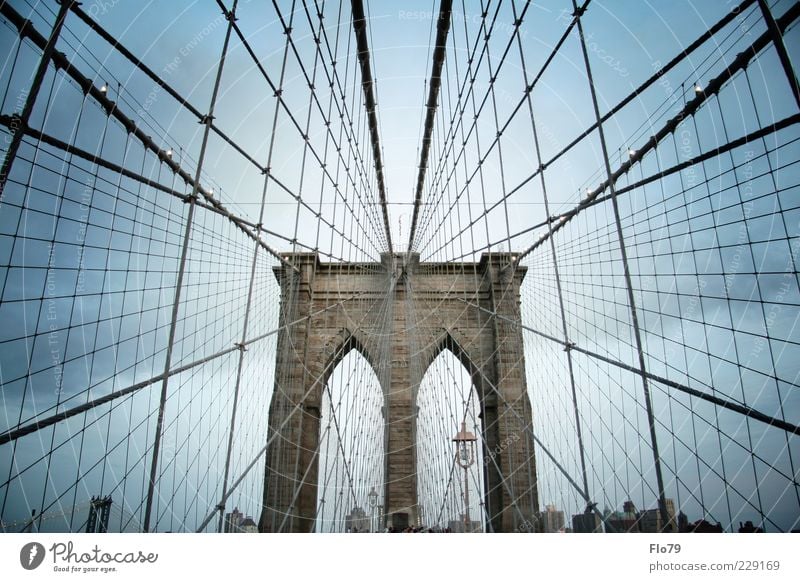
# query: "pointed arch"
{"points": [[447, 341], [338, 347], [398, 346], [448, 395], [351, 442]]}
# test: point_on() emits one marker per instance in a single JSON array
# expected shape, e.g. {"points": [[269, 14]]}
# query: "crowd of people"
{"points": [[409, 529], [418, 529]]}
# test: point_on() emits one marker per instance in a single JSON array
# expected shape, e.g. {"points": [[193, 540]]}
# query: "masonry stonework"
{"points": [[400, 314]]}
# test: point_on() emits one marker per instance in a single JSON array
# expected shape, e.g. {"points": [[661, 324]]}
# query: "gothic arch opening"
{"points": [[317, 484], [449, 495], [351, 445]]}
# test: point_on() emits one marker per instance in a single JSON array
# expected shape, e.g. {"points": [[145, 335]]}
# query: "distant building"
{"points": [[357, 520], [748, 527], [624, 522], [237, 522], [552, 520], [683, 522], [650, 520], [457, 526], [672, 520], [587, 522], [232, 521]]}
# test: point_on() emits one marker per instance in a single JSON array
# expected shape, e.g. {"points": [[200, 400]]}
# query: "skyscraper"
{"points": [[237, 522], [650, 520], [552, 519]]}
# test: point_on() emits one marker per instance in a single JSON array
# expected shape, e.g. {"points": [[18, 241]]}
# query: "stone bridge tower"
{"points": [[328, 309]]}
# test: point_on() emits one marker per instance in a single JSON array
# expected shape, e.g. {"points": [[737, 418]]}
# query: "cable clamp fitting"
{"points": [[16, 123]]}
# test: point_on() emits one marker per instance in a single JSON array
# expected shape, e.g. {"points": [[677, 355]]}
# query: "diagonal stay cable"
{"points": [[337, 357], [360, 28], [722, 402], [343, 111], [738, 64], [276, 432], [296, 123], [16, 433], [443, 28], [727, 19], [477, 370], [105, 35]]}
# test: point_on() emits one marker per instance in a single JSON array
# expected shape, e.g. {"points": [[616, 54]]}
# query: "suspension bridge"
{"points": [[540, 275]]}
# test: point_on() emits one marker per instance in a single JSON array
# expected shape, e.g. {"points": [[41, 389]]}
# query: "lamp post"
{"points": [[372, 496], [465, 457]]}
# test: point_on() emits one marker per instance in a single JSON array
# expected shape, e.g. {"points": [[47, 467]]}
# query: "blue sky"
{"points": [[710, 343]]}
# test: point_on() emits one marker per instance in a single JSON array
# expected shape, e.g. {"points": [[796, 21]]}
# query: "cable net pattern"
{"points": [[159, 191]]}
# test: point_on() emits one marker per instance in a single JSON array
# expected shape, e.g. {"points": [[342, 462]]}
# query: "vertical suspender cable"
{"points": [[662, 505], [207, 120]]}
